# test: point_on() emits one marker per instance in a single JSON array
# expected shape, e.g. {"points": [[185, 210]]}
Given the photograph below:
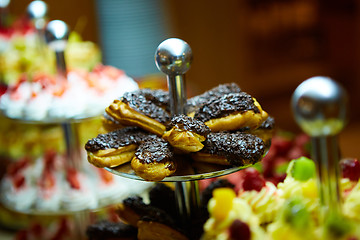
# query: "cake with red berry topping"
{"points": [[84, 94]]}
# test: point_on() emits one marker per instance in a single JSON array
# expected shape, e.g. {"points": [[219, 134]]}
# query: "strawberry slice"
{"points": [[16, 167], [105, 175], [73, 178], [19, 181], [47, 180], [3, 89]]}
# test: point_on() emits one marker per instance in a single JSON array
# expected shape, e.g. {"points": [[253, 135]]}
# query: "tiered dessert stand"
{"points": [[173, 57], [319, 106], [56, 35]]}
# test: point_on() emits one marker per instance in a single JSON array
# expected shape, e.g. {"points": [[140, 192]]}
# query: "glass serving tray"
{"points": [[188, 170], [50, 120]]}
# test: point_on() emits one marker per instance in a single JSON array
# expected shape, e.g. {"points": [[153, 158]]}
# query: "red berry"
{"points": [[350, 168], [252, 180], [281, 144], [239, 230], [296, 152], [301, 140]]}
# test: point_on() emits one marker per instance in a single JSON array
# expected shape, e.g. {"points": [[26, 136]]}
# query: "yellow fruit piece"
{"points": [[223, 202], [309, 189]]}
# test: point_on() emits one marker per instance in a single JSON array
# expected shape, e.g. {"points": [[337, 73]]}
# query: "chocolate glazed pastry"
{"points": [[114, 148], [133, 208], [150, 229], [196, 102], [163, 197], [230, 112], [105, 230], [237, 149], [109, 124], [143, 108], [186, 134], [265, 131], [153, 160], [151, 221]]}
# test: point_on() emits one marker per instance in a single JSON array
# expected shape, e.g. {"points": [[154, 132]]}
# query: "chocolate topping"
{"points": [[148, 212], [235, 147], [269, 123], [189, 124], [216, 92], [110, 230], [136, 204], [154, 150], [119, 138], [146, 104], [158, 97], [225, 105], [162, 196]]}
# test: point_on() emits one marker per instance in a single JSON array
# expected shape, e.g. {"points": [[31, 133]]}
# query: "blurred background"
{"points": [[268, 47]]}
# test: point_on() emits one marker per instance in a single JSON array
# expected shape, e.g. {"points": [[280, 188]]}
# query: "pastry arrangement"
{"points": [[223, 126], [53, 104], [249, 204]]}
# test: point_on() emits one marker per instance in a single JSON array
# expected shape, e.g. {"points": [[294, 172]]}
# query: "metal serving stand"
{"points": [[320, 108], [173, 57], [55, 34]]}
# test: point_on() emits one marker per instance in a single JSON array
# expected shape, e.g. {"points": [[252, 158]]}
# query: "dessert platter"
{"points": [[59, 181], [154, 135], [157, 142]]}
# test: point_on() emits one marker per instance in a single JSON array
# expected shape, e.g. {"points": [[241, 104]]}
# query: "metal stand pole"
{"points": [[326, 156], [319, 106], [173, 57], [56, 35]]}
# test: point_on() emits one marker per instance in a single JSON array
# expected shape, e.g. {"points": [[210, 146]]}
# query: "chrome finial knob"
{"points": [[4, 3], [319, 106], [37, 11], [56, 35], [173, 56]]}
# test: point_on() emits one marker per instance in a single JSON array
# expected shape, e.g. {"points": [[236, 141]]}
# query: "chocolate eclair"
{"points": [[106, 230], [114, 148], [237, 149], [265, 131], [145, 109], [186, 134], [216, 92], [133, 209], [162, 196], [150, 228], [109, 124], [230, 112], [153, 160]]}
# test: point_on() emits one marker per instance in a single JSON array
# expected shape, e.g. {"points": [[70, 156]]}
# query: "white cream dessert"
{"points": [[84, 94]]}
